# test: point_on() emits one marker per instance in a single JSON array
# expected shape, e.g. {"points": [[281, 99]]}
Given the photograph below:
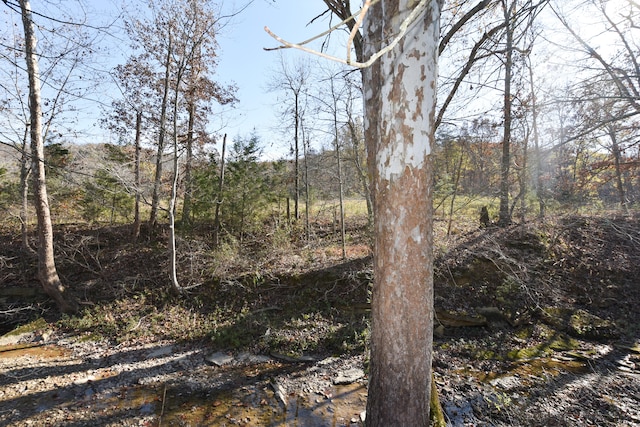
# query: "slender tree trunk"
{"points": [[523, 180], [296, 141], [136, 219], [362, 173], [216, 221], [173, 253], [455, 190], [186, 203], [536, 147], [307, 187], [400, 93], [504, 216], [157, 181], [615, 148], [25, 171], [47, 272], [339, 165]]}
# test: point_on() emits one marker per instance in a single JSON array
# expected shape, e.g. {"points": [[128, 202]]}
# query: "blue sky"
{"points": [[244, 61]]}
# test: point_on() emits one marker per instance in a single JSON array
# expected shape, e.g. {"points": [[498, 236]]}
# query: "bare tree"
{"points": [[47, 272], [293, 80], [505, 214]]}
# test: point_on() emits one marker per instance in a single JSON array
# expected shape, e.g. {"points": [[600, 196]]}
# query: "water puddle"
{"points": [[39, 351], [246, 406], [530, 370], [234, 396]]}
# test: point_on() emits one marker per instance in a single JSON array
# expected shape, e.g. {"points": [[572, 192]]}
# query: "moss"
{"points": [[36, 325], [486, 355], [559, 343], [585, 324], [524, 333]]}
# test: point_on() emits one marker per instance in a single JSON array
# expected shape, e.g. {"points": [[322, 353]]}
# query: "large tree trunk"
{"points": [[47, 272], [400, 93]]}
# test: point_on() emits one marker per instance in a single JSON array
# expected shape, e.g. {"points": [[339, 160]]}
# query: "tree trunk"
{"points": [[216, 221], [536, 145], [296, 207], [615, 149], [173, 252], [505, 216], [362, 173], [47, 272], [136, 219], [186, 203], [336, 135], [400, 93], [456, 183], [25, 171], [307, 187], [157, 181]]}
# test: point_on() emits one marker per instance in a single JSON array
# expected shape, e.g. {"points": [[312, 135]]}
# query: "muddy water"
{"points": [[33, 350], [60, 383], [246, 406]]}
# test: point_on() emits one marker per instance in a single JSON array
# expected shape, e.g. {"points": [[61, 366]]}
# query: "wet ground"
{"points": [[71, 382]]}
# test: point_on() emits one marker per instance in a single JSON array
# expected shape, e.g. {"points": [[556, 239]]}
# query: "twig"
{"points": [[316, 37], [401, 32], [164, 397], [356, 27]]}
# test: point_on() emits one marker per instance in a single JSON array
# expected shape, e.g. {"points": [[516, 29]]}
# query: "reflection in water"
{"points": [[247, 399], [258, 406]]}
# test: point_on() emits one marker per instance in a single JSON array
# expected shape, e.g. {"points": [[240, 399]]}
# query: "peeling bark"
{"points": [[400, 91]]}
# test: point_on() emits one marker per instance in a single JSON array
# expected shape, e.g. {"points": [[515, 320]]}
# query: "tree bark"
{"points": [[615, 149], [336, 136], [307, 186], [536, 145], [155, 199], [216, 221], [505, 216], [188, 188], [136, 219], [25, 171], [296, 140], [400, 93], [47, 272]]}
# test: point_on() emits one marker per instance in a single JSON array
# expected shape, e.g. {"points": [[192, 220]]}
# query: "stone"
{"points": [[506, 383], [13, 339], [163, 351], [219, 359], [349, 376]]}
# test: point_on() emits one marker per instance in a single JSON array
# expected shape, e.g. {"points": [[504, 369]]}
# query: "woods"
{"points": [[441, 120]]}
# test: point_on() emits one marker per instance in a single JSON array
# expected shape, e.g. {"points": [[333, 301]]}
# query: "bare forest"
{"points": [[439, 226]]}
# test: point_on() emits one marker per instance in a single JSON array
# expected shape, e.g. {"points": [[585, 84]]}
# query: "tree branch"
{"points": [[402, 31], [456, 27]]}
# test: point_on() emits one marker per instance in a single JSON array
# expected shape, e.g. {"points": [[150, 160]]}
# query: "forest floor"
{"points": [[537, 325]]}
